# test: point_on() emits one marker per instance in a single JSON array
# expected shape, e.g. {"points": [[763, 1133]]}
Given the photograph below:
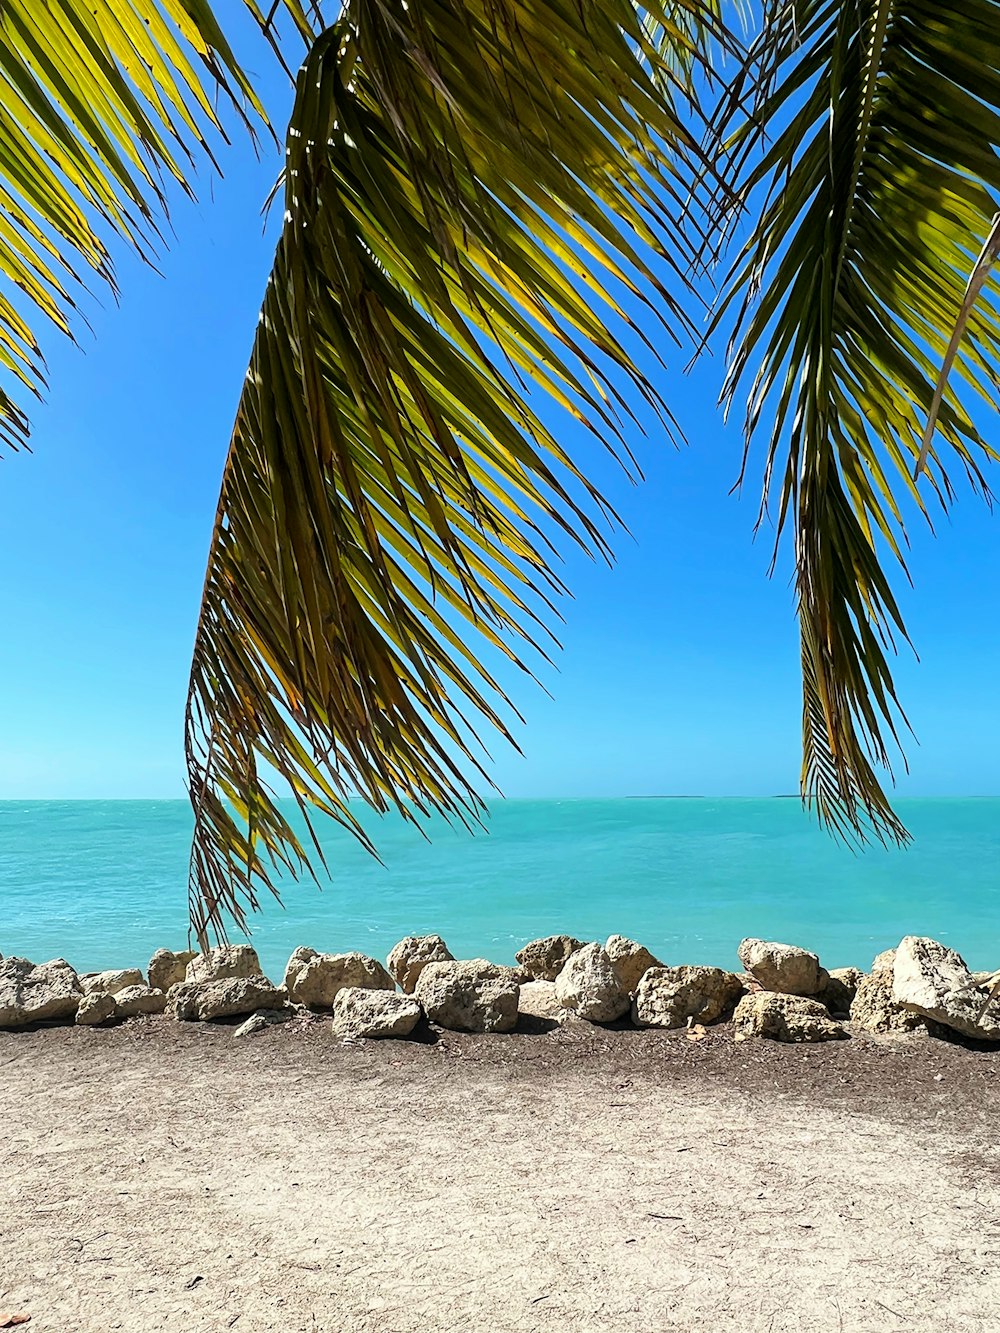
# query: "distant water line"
{"points": [[103, 883]]}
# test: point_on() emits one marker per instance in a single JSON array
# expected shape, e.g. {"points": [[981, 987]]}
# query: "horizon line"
{"points": [[498, 799]]}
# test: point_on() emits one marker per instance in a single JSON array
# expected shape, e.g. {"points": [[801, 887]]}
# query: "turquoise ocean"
{"points": [[103, 883]]}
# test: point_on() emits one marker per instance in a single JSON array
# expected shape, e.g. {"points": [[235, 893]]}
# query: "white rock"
{"points": [[630, 961], [192, 1001], [668, 997], [874, 1010], [228, 960], [97, 1007], [538, 999], [883, 962], [297, 960], [923, 970], [410, 956], [111, 982], [31, 993], [362, 1012], [589, 987], [933, 981], [167, 968], [100, 1006], [544, 959], [134, 1000], [783, 967], [784, 1018], [315, 978], [469, 996]]}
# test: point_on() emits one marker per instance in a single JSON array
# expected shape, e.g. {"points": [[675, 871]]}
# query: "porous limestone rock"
{"points": [[838, 994], [360, 1011], [469, 996], [298, 959], [97, 1007], [874, 1010], [882, 962], [667, 997], [537, 999], [630, 961], [134, 1000], [200, 1001], [35, 993], [783, 1017], [933, 981], [783, 967], [589, 987], [167, 968], [411, 955], [314, 979], [111, 982], [228, 960], [100, 1006], [544, 959]]}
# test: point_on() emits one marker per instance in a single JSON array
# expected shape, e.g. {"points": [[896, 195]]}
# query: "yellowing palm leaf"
{"points": [[98, 98], [465, 181], [870, 165]]}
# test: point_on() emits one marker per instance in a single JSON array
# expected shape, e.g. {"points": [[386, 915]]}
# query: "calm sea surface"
{"points": [[103, 882]]}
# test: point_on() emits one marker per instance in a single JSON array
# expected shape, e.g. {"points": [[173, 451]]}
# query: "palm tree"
{"points": [[479, 196]]}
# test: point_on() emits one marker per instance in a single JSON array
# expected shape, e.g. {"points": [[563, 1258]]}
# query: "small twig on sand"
{"points": [[889, 1310]]}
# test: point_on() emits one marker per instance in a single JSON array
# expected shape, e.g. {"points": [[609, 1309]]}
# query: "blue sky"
{"points": [[679, 671]]}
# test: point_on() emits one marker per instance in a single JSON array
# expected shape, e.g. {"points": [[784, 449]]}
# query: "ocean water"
{"points": [[102, 883]]}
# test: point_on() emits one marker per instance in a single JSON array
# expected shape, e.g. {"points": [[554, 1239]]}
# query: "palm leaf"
{"points": [[870, 169], [471, 186], [99, 101]]}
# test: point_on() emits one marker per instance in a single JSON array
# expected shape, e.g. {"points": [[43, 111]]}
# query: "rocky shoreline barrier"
{"points": [[782, 992]]}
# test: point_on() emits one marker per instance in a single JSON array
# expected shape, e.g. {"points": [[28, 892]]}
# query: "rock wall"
{"points": [[784, 993]]}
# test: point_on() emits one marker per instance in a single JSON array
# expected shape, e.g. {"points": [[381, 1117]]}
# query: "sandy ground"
{"points": [[165, 1176]]}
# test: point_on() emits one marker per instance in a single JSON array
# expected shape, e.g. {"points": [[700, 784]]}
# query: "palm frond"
{"points": [[100, 100], [469, 183], [870, 170], [683, 38]]}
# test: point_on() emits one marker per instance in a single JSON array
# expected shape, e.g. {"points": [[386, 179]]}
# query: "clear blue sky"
{"points": [[679, 671]]}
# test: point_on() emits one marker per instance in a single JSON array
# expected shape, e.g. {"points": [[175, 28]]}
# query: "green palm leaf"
{"points": [[870, 167], [98, 100], [468, 186]]}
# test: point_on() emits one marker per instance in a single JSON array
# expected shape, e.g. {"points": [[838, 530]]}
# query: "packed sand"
{"points": [[161, 1176]]}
